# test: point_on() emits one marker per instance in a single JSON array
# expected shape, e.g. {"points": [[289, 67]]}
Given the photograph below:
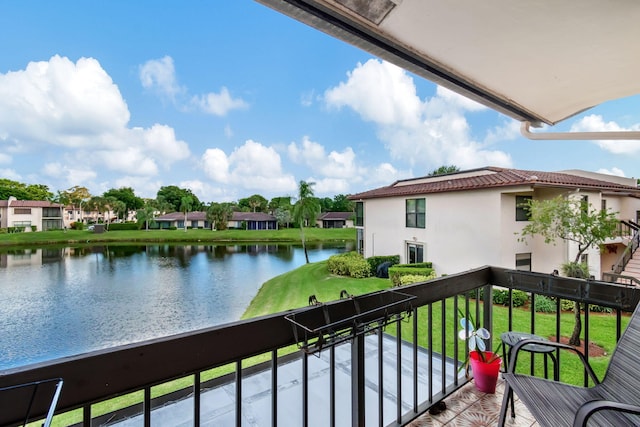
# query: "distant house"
{"points": [[30, 214], [335, 220], [198, 219], [253, 221]]}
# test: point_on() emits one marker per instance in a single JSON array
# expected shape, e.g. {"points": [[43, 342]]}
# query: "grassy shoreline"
{"points": [[72, 237]]}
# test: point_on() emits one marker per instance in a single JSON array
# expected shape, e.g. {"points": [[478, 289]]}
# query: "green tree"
{"points": [[127, 196], [173, 195], [571, 220], [254, 203], [76, 196], [283, 216], [279, 202], [163, 206], [24, 191], [219, 214], [443, 170], [305, 210], [186, 204], [341, 203], [326, 204], [146, 215]]}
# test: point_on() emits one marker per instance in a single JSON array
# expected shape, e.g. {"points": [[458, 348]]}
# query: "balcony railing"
{"points": [[389, 375]]}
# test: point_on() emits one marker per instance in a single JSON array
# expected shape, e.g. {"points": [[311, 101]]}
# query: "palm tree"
{"points": [[146, 215], [185, 206], [219, 214], [306, 209]]}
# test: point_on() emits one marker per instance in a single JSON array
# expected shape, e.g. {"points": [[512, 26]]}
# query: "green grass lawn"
{"points": [[39, 238], [292, 289]]}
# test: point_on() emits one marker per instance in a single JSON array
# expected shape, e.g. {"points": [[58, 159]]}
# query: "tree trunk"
{"points": [[577, 328], [304, 245]]}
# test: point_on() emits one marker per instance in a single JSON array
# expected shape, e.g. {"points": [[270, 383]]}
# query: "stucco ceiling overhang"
{"points": [[538, 61]]}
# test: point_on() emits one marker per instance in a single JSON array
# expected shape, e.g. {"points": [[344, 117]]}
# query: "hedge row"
{"points": [[349, 264], [123, 226], [397, 271]]}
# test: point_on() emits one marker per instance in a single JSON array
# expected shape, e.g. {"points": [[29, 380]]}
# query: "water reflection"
{"points": [[63, 301]]}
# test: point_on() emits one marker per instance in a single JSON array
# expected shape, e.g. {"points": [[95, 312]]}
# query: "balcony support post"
{"points": [[357, 381]]}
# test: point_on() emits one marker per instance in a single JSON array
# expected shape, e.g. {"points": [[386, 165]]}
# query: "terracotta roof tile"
{"points": [[491, 177]]}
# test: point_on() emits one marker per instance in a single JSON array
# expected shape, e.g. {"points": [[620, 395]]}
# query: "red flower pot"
{"points": [[485, 375]]}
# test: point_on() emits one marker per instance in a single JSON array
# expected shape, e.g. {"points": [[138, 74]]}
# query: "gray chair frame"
{"points": [[614, 401]]}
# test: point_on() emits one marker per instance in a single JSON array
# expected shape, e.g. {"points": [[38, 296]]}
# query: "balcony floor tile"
{"points": [[469, 407]]}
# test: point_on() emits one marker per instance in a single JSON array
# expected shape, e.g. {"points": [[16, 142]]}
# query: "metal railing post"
{"points": [[357, 381]]}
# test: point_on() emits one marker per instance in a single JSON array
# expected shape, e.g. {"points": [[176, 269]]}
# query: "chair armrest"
{"points": [[590, 408], [516, 349]]}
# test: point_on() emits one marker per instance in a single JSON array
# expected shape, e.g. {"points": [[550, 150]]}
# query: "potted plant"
{"points": [[485, 365]]}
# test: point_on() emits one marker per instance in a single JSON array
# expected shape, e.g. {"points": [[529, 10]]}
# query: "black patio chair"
{"points": [[614, 401], [25, 397]]}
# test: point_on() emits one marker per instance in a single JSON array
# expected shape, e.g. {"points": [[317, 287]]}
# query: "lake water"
{"points": [[66, 301]]}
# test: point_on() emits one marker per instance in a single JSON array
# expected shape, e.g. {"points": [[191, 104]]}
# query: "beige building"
{"points": [[36, 215], [472, 218]]}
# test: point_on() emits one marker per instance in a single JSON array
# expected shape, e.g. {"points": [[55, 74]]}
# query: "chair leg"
{"points": [[506, 400]]}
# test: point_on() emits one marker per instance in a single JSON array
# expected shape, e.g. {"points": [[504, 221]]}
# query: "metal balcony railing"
{"points": [[388, 375]]}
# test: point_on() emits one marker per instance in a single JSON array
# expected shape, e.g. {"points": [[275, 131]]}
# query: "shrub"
{"points": [[408, 279], [544, 304], [34, 228], [600, 309], [124, 226], [399, 270], [349, 264], [501, 297], [519, 298], [566, 305], [375, 261]]}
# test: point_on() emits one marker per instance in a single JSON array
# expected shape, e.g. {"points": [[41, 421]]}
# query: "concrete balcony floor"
{"points": [[469, 407]]}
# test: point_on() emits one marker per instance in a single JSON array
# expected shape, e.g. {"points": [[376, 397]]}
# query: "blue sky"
{"points": [[231, 99]]}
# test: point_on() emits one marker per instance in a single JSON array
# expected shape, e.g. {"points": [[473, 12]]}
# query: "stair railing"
{"points": [[627, 254]]}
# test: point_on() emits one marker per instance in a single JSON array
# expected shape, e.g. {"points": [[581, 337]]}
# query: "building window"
{"points": [[603, 205], [522, 208], [415, 253], [359, 214], [416, 209], [360, 240], [50, 212], [523, 262], [22, 211], [584, 205]]}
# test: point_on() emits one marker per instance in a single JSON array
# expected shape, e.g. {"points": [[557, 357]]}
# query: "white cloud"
{"points": [[59, 102], [70, 175], [218, 104], [10, 174], [76, 114], [160, 142], [595, 123], [425, 134], [159, 74], [251, 166], [380, 92], [207, 192], [613, 171], [142, 185], [333, 165], [216, 165], [5, 158]]}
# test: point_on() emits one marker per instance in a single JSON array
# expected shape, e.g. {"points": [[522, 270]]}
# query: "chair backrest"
{"points": [[622, 378], [29, 398]]}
